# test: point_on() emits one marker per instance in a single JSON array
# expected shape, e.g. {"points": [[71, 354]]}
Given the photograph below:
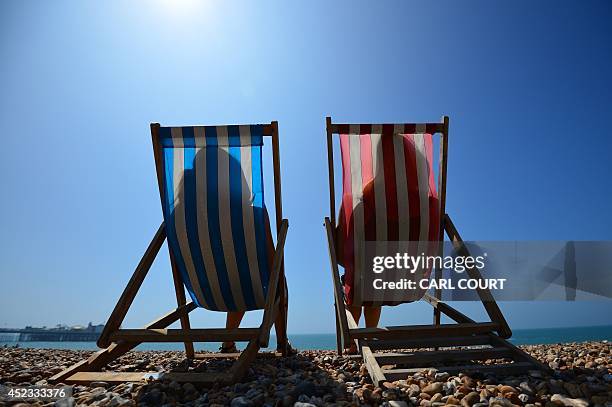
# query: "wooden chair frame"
{"points": [[116, 341], [463, 333]]}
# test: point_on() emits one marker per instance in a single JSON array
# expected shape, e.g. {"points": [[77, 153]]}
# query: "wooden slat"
{"points": [[241, 366], [501, 369], [217, 355], [438, 127], [341, 312], [342, 336], [415, 359], [275, 279], [172, 316], [181, 300], [376, 373], [60, 377], [447, 310], [442, 202], [430, 342], [281, 318], [179, 289], [119, 377], [330, 170], [485, 295], [520, 354], [267, 128], [416, 331], [180, 335]]}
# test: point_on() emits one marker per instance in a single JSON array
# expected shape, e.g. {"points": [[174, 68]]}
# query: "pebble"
{"points": [[433, 388], [322, 378], [441, 376], [241, 402], [470, 399], [568, 402], [500, 401]]}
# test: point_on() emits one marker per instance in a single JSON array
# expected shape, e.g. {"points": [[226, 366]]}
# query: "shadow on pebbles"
{"points": [[582, 377]]}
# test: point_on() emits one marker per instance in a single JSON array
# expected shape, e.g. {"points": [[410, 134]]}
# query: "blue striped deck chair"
{"points": [[221, 249]]}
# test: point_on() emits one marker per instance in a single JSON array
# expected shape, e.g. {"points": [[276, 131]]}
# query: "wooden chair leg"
{"points": [[248, 355], [437, 316], [338, 291], [487, 299], [181, 300], [338, 334], [281, 318]]}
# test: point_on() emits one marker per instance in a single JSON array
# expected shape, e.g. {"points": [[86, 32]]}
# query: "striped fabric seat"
{"points": [[216, 221], [389, 194]]}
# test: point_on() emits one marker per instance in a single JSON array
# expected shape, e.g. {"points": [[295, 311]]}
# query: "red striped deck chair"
{"points": [[390, 196], [221, 249]]}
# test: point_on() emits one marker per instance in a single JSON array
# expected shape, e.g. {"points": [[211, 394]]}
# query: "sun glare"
{"points": [[182, 8]]}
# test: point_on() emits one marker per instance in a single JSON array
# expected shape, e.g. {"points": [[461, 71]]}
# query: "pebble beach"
{"points": [[582, 376]]}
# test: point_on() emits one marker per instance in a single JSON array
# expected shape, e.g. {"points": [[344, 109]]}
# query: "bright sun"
{"points": [[182, 7]]}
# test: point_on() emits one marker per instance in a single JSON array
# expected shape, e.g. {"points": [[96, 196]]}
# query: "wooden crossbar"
{"points": [[180, 335], [501, 369], [376, 373], [423, 331], [421, 358], [520, 354], [430, 342], [447, 310], [119, 377], [488, 301], [260, 355], [432, 127]]}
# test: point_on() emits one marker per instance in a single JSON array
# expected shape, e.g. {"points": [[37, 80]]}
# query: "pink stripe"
{"points": [[347, 248], [429, 149]]}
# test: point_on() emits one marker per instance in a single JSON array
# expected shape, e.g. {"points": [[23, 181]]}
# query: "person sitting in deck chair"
{"points": [[402, 220], [371, 313], [235, 317], [228, 191]]}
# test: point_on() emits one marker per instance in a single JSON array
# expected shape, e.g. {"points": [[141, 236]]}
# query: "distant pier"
{"points": [[90, 333]]}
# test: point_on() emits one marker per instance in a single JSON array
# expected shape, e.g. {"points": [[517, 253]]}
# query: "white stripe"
{"points": [[423, 180], [179, 211], [403, 210], [225, 220], [248, 220], [202, 218], [358, 226]]}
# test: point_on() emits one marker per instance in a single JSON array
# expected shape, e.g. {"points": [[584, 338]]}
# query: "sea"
{"points": [[327, 341]]}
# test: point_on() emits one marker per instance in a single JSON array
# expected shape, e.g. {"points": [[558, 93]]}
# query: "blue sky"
{"points": [[527, 86]]}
